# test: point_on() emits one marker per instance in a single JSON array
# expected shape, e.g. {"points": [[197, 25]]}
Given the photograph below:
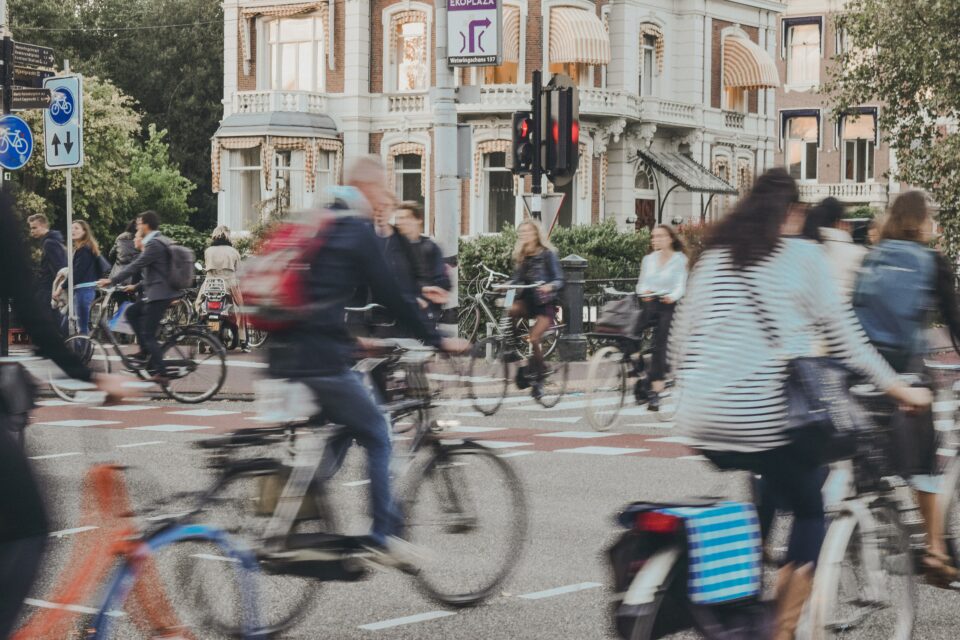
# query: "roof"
{"points": [[687, 172], [277, 123]]}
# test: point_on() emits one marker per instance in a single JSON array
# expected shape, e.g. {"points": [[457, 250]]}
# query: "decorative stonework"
{"points": [[482, 149], [650, 29], [216, 154], [408, 148], [250, 14]]}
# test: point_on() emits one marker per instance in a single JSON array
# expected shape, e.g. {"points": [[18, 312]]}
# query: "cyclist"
{"points": [[320, 352], [662, 281], [535, 261], [145, 315], [749, 284], [23, 518], [434, 282], [221, 260]]}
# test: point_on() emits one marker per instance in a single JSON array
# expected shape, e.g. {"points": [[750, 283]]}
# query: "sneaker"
{"points": [[396, 553], [521, 379], [653, 404], [536, 390], [640, 393]]}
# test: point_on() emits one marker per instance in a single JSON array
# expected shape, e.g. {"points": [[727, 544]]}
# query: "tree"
{"points": [[157, 182], [906, 55]]}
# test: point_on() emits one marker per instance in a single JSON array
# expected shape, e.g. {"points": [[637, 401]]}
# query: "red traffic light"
{"points": [[524, 128], [575, 131]]}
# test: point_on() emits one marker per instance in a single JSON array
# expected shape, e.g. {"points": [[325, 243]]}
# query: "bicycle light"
{"points": [[657, 522]]}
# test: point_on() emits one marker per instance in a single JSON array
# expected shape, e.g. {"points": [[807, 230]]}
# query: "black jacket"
{"points": [[86, 266], [430, 265], [154, 263], [403, 264], [350, 262], [542, 267], [53, 258]]}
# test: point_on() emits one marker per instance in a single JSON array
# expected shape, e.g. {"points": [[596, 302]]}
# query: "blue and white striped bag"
{"points": [[725, 551]]}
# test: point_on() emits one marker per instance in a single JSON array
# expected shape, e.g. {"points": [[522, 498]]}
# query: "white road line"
{"points": [[203, 413], [166, 516], [169, 428], [54, 403], [78, 423], [70, 532], [576, 435], [572, 404], [949, 453], [396, 622], [210, 556], [673, 440], [140, 444], [50, 456], [567, 420], [464, 429], [559, 591], [602, 451], [502, 444], [76, 608], [126, 407], [515, 454], [695, 458], [356, 483]]}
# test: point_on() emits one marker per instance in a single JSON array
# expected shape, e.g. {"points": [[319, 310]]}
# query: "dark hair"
{"points": [[131, 227], [414, 207], [151, 219], [39, 217], [751, 231], [676, 242], [908, 214], [826, 214], [221, 241]]}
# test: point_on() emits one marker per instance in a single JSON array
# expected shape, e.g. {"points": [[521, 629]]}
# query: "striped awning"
{"points": [[577, 35], [511, 34], [747, 66]]}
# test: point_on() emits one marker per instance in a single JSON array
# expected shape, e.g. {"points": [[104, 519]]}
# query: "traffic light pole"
{"points": [[4, 302], [536, 204]]}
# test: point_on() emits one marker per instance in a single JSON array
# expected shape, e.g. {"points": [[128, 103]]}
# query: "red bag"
{"points": [[275, 282]]}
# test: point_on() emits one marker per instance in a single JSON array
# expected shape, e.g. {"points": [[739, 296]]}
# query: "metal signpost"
{"points": [[473, 33]]}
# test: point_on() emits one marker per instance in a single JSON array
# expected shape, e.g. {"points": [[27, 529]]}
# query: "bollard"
{"points": [[573, 344]]}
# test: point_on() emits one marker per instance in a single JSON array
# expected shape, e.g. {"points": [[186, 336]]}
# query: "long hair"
{"points": [[221, 237], [826, 214], [751, 232], [520, 252], [907, 218], [131, 227], [676, 242], [88, 240]]}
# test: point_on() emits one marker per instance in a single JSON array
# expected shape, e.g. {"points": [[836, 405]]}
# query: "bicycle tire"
{"points": [[548, 342], [553, 383], [488, 376], [468, 322], [607, 373], [844, 549], [445, 473], [91, 352], [190, 353], [256, 338]]}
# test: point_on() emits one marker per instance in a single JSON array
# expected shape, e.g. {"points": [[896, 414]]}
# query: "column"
{"points": [[355, 118]]}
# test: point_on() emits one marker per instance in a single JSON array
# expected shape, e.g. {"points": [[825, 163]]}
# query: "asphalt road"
{"points": [[575, 481]]}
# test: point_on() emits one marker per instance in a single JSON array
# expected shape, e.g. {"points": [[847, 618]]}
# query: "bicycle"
{"points": [[282, 504], [189, 353], [15, 140], [61, 104], [488, 373]]}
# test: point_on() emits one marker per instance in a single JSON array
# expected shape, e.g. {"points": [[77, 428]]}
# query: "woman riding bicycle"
{"points": [[662, 281], [535, 262], [221, 260], [755, 301]]}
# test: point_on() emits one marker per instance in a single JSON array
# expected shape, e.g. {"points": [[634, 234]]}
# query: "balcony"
{"points": [[668, 112], [846, 192], [269, 101], [506, 98], [734, 119], [406, 102]]}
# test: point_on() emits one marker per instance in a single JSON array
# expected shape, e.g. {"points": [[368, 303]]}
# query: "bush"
{"points": [[196, 241]]}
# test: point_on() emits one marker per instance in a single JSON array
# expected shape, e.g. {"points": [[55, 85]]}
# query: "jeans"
{"points": [[82, 301], [346, 401], [659, 314], [145, 318]]}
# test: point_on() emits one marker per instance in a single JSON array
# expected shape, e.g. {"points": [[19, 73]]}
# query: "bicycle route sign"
{"points": [[63, 123], [473, 33], [16, 142]]}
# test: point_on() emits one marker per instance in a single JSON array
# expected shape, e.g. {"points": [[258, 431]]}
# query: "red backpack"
{"points": [[275, 282]]}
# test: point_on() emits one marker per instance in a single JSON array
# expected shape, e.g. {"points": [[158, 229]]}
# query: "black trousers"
{"points": [[145, 319], [658, 314]]}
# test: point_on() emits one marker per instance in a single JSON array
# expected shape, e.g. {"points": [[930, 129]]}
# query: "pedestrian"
{"points": [[823, 222], [662, 282], [24, 525], [53, 258], [755, 301], [88, 267], [124, 250], [221, 260], [434, 282], [399, 254]]}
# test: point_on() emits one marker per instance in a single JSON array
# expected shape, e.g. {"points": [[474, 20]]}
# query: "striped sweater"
{"points": [[730, 372]]}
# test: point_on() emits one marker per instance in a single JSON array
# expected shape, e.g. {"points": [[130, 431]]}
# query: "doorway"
{"points": [[646, 214]]}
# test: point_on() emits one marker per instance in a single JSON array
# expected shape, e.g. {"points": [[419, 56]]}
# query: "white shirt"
{"points": [[667, 280], [845, 257]]}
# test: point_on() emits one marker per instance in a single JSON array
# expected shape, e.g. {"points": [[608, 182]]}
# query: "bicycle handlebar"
{"points": [[518, 286], [369, 307], [493, 273]]}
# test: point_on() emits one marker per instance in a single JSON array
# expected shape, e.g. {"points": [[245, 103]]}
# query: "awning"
{"points": [[577, 35], [277, 123], [511, 34], [747, 66], [686, 172]]}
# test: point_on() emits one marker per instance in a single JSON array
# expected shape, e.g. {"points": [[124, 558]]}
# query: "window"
{"points": [[411, 57], [648, 52], [408, 177], [245, 186], [803, 55], [803, 135], [506, 73], [296, 53], [501, 204], [581, 74], [735, 99], [858, 133], [324, 174]]}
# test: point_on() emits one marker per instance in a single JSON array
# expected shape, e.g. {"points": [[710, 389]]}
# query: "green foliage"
{"points": [[157, 183], [863, 211], [906, 56], [184, 234]]}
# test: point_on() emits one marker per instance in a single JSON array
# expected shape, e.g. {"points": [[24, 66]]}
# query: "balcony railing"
{"points": [[734, 119], [668, 111], [501, 98], [269, 100], [850, 192], [406, 102]]}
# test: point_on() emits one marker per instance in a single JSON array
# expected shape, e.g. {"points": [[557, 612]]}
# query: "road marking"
{"points": [[78, 423], [573, 404], [168, 516], [70, 532], [463, 429], [396, 622], [949, 453], [168, 428], [696, 458], [126, 407], [515, 454], [356, 483], [503, 444], [56, 455], [673, 439], [568, 420], [559, 591], [140, 444], [210, 556], [76, 608], [577, 435], [203, 413], [54, 403], [945, 406], [602, 451], [238, 363]]}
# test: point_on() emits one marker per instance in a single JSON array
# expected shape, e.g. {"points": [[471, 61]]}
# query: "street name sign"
{"points": [[28, 98], [16, 142], [31, 55], [63, 123], [474, 29]]}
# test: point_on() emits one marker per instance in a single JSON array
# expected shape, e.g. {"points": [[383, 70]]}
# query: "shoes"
{"points": [[521, 379], [536, 390], [938, 569], [396, 553], [653, 402], [640, 393], [160, 378]]}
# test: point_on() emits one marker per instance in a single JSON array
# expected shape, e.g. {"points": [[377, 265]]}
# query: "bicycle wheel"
{"points": [[468, 321], [487, 376], [177, 316], [864, 584], [607, 391], [553, 384], [256, 338], [92, 353], [468, 510], [196, 364], [548, 342], [668, 405]]}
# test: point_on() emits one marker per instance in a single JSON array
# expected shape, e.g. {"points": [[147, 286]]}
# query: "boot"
{"points": [[793, 589]]}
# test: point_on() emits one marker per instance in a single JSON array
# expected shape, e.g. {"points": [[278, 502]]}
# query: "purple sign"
{"points": [[470, 5], [473, 32]]}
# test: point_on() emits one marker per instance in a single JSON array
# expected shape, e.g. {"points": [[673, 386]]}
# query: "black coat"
{"points": [[154, 263]]}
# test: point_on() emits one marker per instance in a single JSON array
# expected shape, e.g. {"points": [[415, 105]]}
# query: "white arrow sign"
{"points": [[63, 123]]}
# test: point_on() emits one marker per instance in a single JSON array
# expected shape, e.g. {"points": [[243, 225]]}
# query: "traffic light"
{"points": [[563, 131], [522, 152]]}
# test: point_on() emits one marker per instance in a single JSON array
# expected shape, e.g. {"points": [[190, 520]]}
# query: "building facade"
{"points": [[829, 153], [673, 94]]}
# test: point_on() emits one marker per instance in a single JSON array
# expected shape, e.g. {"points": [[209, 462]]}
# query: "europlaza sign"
{"points": [[474, 33]]}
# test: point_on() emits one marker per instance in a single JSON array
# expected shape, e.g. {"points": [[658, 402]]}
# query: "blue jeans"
{"points": [[346, 401], [82, 301]]}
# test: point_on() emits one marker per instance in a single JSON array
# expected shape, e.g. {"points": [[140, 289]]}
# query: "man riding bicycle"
{"points": [[320, 352]]}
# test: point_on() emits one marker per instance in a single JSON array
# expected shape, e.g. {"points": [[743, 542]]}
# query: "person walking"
{"points": [[53, 257], [755, 301], [399, 254], [434, 282], [124, 250], [88, 267], [662, 282], [823, 224], [222, 260]]}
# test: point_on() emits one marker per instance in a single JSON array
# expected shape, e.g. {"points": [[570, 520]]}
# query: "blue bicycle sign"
{"points": [[16, 142], [62, 107]]}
